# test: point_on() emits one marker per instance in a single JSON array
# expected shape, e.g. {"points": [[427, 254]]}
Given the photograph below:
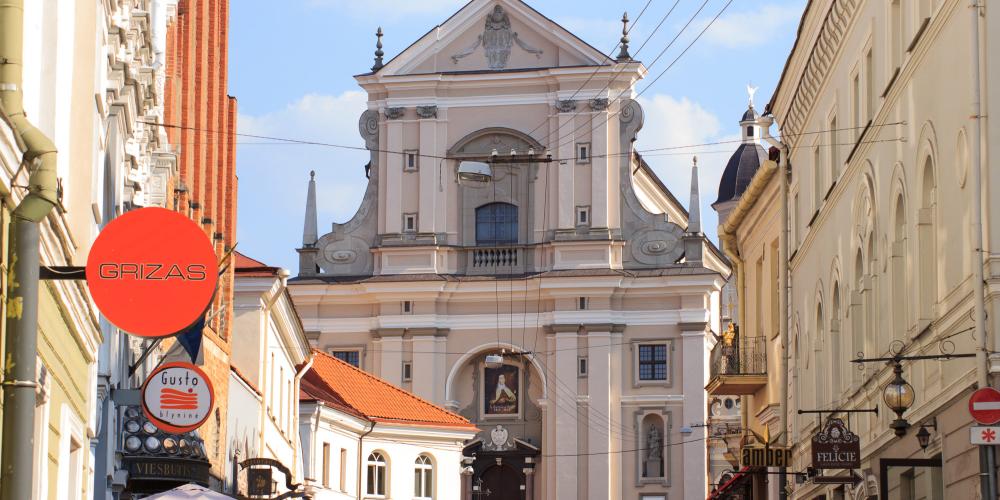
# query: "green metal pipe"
{"points": [[19, 381]]}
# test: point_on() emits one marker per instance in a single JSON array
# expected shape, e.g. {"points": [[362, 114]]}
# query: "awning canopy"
{"points": [[730, 486], [189, 492]]}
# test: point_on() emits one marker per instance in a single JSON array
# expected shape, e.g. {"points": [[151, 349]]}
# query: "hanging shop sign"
{"points": [[261, 483], [178, 397], [152, 272], [765, 456], [836, 447]]}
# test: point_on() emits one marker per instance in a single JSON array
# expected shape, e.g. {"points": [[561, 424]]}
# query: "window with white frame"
{"points": [[376, 481], [651, 363], [583, 152], [409, 223], [407, 307], [423, 478], [582, 367], [407, 371], [351, 357], [582, 216], [411, 160]]}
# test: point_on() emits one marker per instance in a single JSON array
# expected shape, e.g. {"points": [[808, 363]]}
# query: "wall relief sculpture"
{"points": [[653, 241], [346, 250], [497, 40]]}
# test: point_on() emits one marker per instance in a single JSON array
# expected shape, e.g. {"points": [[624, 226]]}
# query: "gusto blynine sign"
{"points": [[152, 272], [177, 397]]}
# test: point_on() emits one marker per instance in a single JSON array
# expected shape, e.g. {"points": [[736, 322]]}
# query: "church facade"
{"points": [[562, 300]]}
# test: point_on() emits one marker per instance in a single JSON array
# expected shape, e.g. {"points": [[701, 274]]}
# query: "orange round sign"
{"points": [[152, 272], [178, 397]]}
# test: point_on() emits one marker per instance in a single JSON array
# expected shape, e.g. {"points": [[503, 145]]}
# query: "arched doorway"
{"points": [[503, 482]]}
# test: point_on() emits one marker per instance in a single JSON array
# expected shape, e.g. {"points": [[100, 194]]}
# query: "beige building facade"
{"points": [[874, 108], [584, 274]]}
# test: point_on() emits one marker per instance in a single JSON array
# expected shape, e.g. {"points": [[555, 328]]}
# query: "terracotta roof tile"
{"points": [[371, 396], [245, 266]]}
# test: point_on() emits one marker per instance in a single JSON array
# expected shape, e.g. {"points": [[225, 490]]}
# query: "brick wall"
{"points": [[201, 121]]}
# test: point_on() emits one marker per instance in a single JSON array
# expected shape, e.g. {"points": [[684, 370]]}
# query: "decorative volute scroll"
{"points": [[497, 40], [346, 250], [653, 241], [566, 106]]}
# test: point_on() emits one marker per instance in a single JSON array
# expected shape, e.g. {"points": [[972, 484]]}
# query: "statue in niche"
{"points": [[653, 458]]}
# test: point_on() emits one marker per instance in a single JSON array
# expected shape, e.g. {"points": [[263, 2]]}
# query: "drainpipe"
{"points": [[784, 286], [22, 292], [361, 439], [295, 435], [987, 454]]}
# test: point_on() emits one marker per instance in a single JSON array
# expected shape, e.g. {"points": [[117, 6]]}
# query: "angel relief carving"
{"points": [[497, 40]]}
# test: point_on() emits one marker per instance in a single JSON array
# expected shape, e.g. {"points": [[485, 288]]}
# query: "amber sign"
{"points": [[765, 456], [836, 447]]}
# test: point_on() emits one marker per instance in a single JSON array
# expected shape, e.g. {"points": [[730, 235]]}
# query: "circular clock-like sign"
{"points": [[152, 272], [177, 397]]}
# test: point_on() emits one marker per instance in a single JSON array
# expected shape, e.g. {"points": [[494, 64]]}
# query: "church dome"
{"points": [[750, 115], [740, 169]]}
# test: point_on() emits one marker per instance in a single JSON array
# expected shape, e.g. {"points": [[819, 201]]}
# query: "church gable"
{"points": [[494, 35]]}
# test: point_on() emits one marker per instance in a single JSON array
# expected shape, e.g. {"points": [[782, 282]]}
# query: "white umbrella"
{"points": [[189, 492]]}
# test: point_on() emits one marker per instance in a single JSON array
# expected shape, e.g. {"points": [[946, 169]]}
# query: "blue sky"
{"points": [[291, 70]]}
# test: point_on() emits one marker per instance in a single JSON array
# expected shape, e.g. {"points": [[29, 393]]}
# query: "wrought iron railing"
{"points": [[742, 356]]}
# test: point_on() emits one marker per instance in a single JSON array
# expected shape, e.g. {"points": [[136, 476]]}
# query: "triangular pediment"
{"points": [[494, 35]]}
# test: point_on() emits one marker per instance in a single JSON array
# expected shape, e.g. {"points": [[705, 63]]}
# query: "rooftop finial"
{"points": [[378, 50], [623, 55], [312, 174], [751, 90], [694, 210], [309, 230]]}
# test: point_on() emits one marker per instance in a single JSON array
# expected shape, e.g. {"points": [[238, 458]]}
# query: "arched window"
{"points": [[837, 364], [496, 224], [376, 474], [819, 374], [898, 270], [423, 478], [927, 246]]}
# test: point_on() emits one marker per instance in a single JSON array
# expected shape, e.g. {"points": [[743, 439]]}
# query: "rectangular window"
{"points": [[281, 399], [352, 358], [343, 469], [796, 217], [856, 105], [653, 362], [326, 465], [834, 150], [818, 180], [583, 152], [582, 367], [407, 371], [411, 160], [869, 85], [407, 307], [582, 303], [895, 34], [409, 223], [582, 216]]}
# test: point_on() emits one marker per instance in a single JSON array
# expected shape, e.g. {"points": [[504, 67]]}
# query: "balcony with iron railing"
{"points": [[738, 366]]}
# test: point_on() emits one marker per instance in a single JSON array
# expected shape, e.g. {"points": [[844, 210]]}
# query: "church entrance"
{"points": [[502, 482]]}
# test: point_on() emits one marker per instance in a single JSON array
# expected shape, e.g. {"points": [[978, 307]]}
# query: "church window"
{"points": [[582, 303], [376, 475], [652, 364], [583, 216], [407, 307], [496, 224], [410, 160], [407, 371], [352, 358], [326, 465], [869, 85], [750, 131], [582, 367], [583, 152], [409, 223], [423, 478]]}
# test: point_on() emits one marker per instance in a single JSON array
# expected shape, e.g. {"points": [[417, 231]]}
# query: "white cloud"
{"points": [[273, 177], [390, 8], [753, 27], [671, 122]]}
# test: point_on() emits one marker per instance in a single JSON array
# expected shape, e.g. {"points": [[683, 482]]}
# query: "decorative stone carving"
{"points": [[394, 113], [427, 111], [599, 103], [497, 40], [368, 128], [566, 106], [499, 440]]}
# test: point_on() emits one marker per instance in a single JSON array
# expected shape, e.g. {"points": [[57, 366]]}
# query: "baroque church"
{"points": [[517, 261]]}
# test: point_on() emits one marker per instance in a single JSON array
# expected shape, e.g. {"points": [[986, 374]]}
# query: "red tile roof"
{"points": [[245, 266], [338, 383]]}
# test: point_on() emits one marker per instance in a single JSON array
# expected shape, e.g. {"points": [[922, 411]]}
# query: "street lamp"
{"points": [[898, 396], [475, 171], [923, 435]]}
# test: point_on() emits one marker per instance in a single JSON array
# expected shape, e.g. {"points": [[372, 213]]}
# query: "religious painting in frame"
{"points": [[501, 394]]}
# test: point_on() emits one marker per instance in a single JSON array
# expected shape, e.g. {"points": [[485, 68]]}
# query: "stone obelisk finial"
{"points": [[623, 55], [378, 50]]}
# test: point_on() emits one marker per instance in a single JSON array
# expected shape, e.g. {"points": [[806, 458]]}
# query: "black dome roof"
{"points": [[750, 115], [739, 171]]}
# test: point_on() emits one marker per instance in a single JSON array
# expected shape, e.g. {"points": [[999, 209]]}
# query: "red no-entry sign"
{"points": [[984, 406], [152, 272]]}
